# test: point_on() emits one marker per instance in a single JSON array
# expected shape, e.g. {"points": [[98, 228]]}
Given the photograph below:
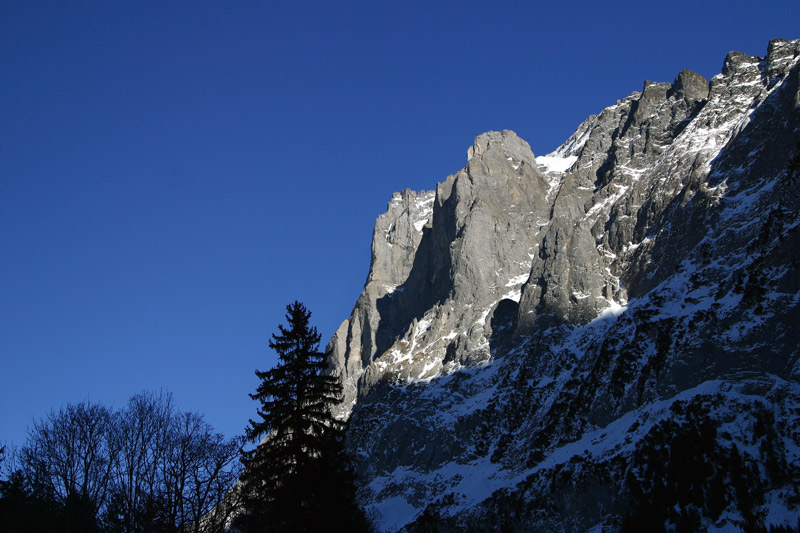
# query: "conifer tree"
{"points": [[298, 477]]}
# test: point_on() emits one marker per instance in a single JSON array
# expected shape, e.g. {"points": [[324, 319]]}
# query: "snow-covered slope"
{"points": [[603, 337]]}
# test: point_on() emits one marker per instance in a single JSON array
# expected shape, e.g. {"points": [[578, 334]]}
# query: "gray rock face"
{"points": [[690, 86], [441, 262], [536, 331]]}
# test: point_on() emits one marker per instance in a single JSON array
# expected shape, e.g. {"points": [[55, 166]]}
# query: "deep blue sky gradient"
{"points": [[174, 172]]}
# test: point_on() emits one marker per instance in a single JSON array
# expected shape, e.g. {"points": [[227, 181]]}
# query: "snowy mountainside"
{"points": [[603, 337]]}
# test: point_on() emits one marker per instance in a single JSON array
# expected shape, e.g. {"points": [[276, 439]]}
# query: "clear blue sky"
{"points": [[174, 172]]}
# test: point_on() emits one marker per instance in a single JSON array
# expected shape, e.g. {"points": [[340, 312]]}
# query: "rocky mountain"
{"points": [[603, 338]]}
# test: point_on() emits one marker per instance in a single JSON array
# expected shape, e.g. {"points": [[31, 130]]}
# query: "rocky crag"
{"points": [[604, 337]]}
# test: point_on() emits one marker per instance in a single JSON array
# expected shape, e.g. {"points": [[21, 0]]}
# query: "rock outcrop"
{"points": [[441, 263], [543, 341]]}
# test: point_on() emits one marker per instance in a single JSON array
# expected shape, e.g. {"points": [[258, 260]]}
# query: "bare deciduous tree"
{"points": [[147, 467], [72, 455], [143, 436]]}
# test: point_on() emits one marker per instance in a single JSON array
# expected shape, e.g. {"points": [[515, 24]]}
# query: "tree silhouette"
{"points": [[146, 467], [298, 477]]}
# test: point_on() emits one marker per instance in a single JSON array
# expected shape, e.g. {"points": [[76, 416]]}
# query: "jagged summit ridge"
{"points": [[561, 313]]}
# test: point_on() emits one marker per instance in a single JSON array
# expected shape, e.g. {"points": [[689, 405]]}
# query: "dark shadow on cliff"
{"points": [[502, 324], [429, 282]]}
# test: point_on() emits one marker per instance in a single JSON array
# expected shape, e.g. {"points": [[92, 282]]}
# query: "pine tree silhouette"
{"points": [[298, 478]]}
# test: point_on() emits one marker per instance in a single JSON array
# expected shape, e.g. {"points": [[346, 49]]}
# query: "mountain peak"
{"points": [[691, 86], [506, 140]]}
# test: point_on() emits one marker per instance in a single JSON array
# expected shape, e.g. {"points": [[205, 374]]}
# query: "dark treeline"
{"points": [[150, 468], [145, 467]]}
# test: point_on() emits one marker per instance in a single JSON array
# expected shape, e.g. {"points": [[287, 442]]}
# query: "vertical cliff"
{"points": [[441, 262]]}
